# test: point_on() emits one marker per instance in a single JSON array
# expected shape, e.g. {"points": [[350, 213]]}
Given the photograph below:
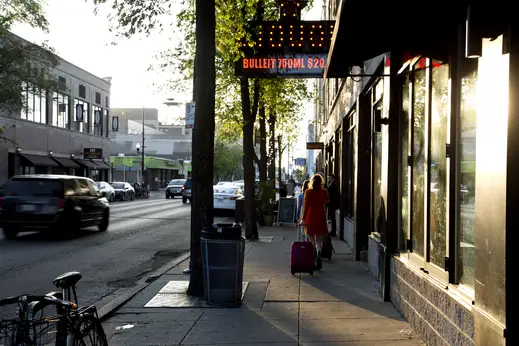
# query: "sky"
{"points": [[83, 39]]}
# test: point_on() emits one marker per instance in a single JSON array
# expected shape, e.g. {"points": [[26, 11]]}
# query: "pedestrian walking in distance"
{"points": [[314, 215]]}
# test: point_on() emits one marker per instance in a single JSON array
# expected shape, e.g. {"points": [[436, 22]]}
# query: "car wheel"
{"points": [[10, 233], [105, 220], [184, 200]]}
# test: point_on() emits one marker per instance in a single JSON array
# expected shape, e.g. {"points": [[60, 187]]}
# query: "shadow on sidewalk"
{"points": [[339, 305]]}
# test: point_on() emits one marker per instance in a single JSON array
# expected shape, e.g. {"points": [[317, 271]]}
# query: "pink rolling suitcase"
{"points": [[302, 256]]}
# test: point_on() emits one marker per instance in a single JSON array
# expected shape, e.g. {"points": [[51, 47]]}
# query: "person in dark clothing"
{"points": [[334, 203]]}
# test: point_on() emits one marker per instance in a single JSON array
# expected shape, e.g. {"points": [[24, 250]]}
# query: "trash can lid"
{"points": [[230, 231]]}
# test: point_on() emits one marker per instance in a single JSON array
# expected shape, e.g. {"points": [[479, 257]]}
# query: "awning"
{"points": [[101, 164], [87, 163], [366, 29], [65, 162], [38, 160]]}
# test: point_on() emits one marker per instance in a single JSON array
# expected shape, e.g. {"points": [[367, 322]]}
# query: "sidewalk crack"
{"points": [[191, 328]]}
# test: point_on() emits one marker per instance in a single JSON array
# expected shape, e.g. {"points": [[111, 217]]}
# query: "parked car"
{"points": [[186, 191], [42, 202], [223, 183], [106, 189], [174, 188], [239, 183], [225, 196], [123, 191]]}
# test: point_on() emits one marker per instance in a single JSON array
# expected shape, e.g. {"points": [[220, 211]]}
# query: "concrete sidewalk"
{"points": [[339, 305]]}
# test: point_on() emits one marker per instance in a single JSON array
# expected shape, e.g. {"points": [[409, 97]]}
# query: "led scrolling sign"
{"points": [[291, 49]]}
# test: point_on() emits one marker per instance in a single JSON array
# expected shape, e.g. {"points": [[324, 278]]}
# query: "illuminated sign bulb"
{"points": [[260, 38], [311, 32], [322, 32], [320, 45], [300, 45], [320, 26], [280, 27], [311, 38], [279, 45], [292, 45], [313, 45], [281, 38], [273, 45], [290, 32], [271, 32], [271, 38], [322, 38], [301, 33], [291, 26], [273, 26], [260, 44], [313, 26], [301, 26]]}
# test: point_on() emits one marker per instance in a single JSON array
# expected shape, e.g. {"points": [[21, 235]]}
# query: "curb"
{"points": [[108, 309]]}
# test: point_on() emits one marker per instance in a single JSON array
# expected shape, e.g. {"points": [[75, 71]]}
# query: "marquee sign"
{"points": [[287, 48], [288, 65]]}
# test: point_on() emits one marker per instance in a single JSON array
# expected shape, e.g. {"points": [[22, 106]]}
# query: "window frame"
{"points": [[424, 263]]}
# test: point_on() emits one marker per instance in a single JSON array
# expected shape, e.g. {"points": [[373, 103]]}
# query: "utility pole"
{"points": [[140, 147], [142, 154]]}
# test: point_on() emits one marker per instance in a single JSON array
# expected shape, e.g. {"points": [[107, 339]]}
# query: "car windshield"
{"points": [[118, 186], [177, 182], [100, 185], [188, 184], [225, 190], [32, 187]]}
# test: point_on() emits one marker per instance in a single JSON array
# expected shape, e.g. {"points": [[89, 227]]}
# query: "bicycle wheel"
{"points": [[88, 331]]}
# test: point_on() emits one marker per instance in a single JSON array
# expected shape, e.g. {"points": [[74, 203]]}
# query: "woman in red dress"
{"points": [[314, 215]]}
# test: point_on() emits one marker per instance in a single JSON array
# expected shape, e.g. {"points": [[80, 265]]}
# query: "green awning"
{"points": [[187, 166], [149, 162]]}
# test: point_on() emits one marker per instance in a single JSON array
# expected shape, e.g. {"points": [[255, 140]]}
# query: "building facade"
{"points": [[166, 147], [59, 128], [422, 129]]}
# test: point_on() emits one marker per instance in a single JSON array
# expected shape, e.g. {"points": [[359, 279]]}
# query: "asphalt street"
{"points": [[143, 235]]}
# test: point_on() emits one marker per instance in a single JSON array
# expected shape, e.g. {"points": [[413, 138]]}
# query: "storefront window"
{"points": [[97, 121], [94, 174], [440, 110], [81, 120], [106, 123], [350, 172], [60, 110], [404, 198], [467, 188], [418, 154]]}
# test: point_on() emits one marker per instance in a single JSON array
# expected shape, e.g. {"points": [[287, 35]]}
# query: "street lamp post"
{"points": [[141, 148]]}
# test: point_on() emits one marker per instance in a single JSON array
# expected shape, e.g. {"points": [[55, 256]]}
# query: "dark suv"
{"points": [[186, 190], [42, 202]]}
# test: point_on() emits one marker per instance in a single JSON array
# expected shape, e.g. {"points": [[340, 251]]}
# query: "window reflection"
{"points": [[438, 163], [418, 153], [467, 188], [106, 123], [404, 134], [80, 120], [60, 110], [97, 120], [35, 105]]}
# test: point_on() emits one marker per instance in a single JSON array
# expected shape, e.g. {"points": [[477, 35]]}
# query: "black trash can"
{"points": [[223, 252]]}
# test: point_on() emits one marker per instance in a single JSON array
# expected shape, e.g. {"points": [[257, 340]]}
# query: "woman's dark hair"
{"points": [[317, 181], [306, 185]]}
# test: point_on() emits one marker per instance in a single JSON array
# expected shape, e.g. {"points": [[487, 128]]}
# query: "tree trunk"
{"points": [[262, 166], [272, 142], [280, 156], [249, 118], [203, 137]]}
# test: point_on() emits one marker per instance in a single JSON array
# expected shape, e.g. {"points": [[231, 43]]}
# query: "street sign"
{"points": [[315, 146], [300, 161], [190, 115], [93, 153]]}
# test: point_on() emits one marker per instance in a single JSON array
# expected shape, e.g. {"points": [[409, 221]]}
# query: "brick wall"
{"points": [[435, 315]]}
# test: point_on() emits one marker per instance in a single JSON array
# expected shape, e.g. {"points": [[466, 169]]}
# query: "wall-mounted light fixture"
{"points": [[18, 151], [72, 156], [51, 153], [473, 37]]}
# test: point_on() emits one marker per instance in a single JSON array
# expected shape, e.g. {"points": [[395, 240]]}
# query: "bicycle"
{"points": [[71, 326]]}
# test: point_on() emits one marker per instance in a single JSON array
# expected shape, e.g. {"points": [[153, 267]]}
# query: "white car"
{"points": [[106, 189], [223, 183], [225, 196], [239, 183]]}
